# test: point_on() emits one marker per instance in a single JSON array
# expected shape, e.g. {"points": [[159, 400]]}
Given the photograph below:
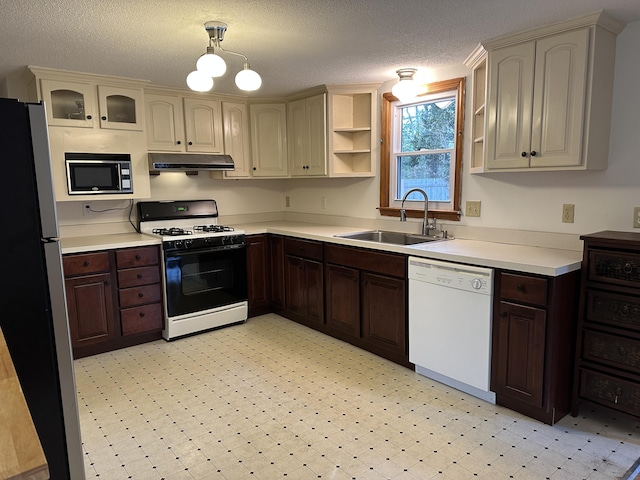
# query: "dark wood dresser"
{"points": [[607, 367]]}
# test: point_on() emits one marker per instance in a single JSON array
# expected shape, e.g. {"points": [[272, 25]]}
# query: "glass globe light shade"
{"points": [[199, 82], [406, 89], [248, 80], [211, 64]]}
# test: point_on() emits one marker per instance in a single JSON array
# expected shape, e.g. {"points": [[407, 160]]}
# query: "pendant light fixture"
{"points": [[407, 88], [211, 65]]}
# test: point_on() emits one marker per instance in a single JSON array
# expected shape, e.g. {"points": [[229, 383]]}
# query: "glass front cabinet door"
{"points": [[69, 104]]}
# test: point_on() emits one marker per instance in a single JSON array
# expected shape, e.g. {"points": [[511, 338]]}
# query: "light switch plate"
{"points": [[472, 208], [636, 217]]}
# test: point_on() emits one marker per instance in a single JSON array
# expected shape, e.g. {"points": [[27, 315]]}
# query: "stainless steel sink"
{"points": [[395, 238]]}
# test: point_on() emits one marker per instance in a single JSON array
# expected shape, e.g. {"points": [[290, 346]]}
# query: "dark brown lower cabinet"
{"points": [[258, 283], [276, 262], [532, 346], [114, 299], [343, 299], [304, 290]]}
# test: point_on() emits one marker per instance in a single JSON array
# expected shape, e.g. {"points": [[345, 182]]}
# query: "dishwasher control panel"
{"points": [[452, 275]]}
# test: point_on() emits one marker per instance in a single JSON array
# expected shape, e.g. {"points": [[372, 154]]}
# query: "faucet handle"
{"points": [[403, 215]]}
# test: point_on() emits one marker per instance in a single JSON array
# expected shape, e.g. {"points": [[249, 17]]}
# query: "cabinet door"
{"points": [[384, 312], [165, 130], [295, 285], [317, 135], [509, 112], [559, 99], [269, 140], [520, 353], [257, 272], [69, 104], [276, 251], [235, 123], [91, 309], [121, 108], [313, 278], [203, 125], [298, 132], [342, 299]]}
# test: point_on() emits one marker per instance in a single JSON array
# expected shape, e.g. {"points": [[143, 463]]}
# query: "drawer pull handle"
{"points": [[622, 351], [521, 288], [618, 393], [139, 275], [624, 311], [142, 315], [138, 257], [140, 295], [86, 264], [628, 268], [504, 314]]}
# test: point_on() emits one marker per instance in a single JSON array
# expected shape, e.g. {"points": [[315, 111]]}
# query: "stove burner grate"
{"points": [[171, 232], [212, 228]]}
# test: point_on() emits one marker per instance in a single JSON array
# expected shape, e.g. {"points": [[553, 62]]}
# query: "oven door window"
{"points": [[202, 280]]}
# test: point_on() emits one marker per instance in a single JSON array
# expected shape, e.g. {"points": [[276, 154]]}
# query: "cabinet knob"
{"points": [[254, 168], [140, 295], [622, 352], [104, 118], [141, 314], [107, 282], [504, 314], [86, 264], [520, 288], [628, 268], [618, 393], [89, 117], [139, 275], [523, 154], [138, 257], [190, 143], [533, 153], [178, 142]]}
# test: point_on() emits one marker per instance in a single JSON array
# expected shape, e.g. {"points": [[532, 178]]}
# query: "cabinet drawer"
{"points": [[85, 263], [130, 297], [141, 319], [303, 248], [523, 288], [619, 268], [372, 261], [133, 277], [623, 395], [611, 309], [611, 350], [137, 257]]}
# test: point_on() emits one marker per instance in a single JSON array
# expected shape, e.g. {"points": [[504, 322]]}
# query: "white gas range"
{"points": [[204, 265]]}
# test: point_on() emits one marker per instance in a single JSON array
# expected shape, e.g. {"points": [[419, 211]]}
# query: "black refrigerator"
{"points": [[33, 313]]}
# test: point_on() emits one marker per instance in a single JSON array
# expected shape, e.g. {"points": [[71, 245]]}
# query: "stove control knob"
{"points": [[169, 244], [179, 243], [188, 242], [208, 240]]}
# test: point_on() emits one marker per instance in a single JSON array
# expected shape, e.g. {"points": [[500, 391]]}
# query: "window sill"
{"points": [[415, 213]]}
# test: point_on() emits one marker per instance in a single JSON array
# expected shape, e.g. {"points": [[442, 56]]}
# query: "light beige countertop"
{"points": [[537, 260]]}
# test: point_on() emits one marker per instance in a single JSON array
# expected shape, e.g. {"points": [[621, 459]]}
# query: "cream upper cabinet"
{"points": [[176, 124], [269, 140], [548, 98], [538, 102], [73, 104], [307, 122], [235, 127]]}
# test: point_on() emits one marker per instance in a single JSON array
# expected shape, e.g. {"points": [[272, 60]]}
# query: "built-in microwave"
{"points": [[89, 173]]}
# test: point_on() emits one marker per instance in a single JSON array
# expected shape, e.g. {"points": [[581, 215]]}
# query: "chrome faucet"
{"points": [[426, 226]]}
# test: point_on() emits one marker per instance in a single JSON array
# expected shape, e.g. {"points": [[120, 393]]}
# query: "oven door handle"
{"points": [[178, 251]]}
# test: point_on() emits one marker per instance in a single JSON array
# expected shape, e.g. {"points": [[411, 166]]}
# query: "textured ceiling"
{"points": [[293, 44]]}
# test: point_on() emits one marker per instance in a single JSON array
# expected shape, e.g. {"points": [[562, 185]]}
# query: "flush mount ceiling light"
{"points": [[211, 65], [407, 88]]}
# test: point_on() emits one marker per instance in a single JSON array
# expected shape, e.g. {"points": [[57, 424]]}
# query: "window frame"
{"points": [[386, 122]]}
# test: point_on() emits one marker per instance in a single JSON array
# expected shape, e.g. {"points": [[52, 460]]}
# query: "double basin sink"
{"points": [[393, 238]]}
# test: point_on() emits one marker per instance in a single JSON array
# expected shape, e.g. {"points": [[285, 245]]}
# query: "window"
{"points": [[422, 148]]}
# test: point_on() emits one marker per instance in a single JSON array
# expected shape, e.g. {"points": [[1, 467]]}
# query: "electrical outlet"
{"points": [[636, 217], [287, 201], [86, 209], [472, 208], [568, 210]]}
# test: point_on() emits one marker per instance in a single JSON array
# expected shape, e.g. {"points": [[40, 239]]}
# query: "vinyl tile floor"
{"points": [[271, 399]]}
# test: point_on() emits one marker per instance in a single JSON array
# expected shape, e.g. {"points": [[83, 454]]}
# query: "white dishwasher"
{"points": [[450, 309]]}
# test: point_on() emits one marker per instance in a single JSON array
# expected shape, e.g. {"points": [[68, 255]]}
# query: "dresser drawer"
{"points": [[130, 297], [303, 248], [141, 319], [612, 309], [623, 395], [611, 350], [133, 277], [137, 257], [85, 263], [523, 288], [618, 268]]}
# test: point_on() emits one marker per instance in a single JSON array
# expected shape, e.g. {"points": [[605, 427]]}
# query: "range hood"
{"points": [[188, 162]]}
